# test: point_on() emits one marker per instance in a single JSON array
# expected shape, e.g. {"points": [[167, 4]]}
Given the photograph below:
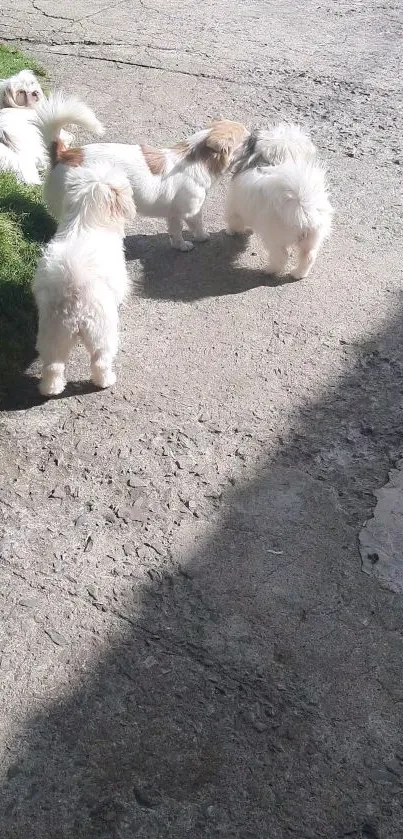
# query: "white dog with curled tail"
{"points": [[170, 183], [279, 191], [81, 279]]}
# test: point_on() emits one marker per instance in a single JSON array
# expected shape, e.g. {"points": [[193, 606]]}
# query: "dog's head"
{"points": [[20, 91], [273, 146], [214, 147], [222, 140]]}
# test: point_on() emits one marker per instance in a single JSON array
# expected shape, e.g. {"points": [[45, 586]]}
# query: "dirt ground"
{"points": [[189, 645]]}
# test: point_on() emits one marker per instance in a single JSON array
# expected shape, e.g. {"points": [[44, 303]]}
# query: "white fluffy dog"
{"points": [[171, 183], [20, 91], [279, 191], [22, 150], [81, 279], [21, 147]]}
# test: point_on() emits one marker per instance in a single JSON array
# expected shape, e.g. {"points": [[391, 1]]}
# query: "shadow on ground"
{"points": [[257, 691], [210, 269]]}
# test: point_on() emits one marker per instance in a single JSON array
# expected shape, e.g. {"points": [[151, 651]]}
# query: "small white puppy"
{"points": [[169, 183], [81, 279], [20, 91], [279, 191]]}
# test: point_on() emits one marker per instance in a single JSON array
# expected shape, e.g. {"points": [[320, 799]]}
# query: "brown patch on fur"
{"points": [[182, 148], [224, 137], [154, 158], [216, 150], [70, 157]]}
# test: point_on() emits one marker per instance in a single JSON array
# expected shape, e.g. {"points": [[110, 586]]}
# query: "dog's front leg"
{"points": [[195, 225], [175, 233]]}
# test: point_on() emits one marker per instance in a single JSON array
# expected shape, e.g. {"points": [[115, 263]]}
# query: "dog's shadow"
{"points": [[209, 270], [22, 393]]}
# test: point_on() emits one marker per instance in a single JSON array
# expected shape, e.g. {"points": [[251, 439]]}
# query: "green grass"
{"points": [[24, 226], [12, 61]]}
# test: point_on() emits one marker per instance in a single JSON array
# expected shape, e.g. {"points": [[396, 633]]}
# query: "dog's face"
{"points": [[20, 91]]}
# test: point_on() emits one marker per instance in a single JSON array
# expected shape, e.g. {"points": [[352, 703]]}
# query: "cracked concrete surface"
{"points": [[189, 645]]}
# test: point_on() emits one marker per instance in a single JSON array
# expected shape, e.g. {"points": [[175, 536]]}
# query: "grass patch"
{"points": [[24, 226], [12, 61]]}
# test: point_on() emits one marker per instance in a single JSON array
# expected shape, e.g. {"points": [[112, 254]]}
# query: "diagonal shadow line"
{"points": [[254, 690]]}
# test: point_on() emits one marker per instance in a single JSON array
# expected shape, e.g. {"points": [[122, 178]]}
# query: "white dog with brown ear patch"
{"points": [[81, 279], [20, 91], [171, 183], [279, 191]]}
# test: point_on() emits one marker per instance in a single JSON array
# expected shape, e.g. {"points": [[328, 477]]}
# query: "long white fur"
{"points": [[81, 280], [26, 133], [281, 142], [20, 91], [177, 193], [21, 149], [286, 204]]}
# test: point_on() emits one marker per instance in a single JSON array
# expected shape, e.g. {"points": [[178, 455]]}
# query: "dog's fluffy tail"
{"points": [[300, 197], [100, 193], [58, 111]]}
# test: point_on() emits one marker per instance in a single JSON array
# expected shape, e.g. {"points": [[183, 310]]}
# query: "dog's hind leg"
{"points": [[175, 233], [100, 338], [234, 224], [278, 254], [195, 225], [308, 248], [53, 344]]}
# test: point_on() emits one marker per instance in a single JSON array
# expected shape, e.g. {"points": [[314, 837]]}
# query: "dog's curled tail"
{"points": [[58, 111], [301, 195], [101, 192]]}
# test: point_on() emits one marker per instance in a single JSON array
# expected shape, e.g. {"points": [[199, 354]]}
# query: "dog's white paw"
{"points": [[182, 246], [52, 387], [298, 275], [103, 378], [201, 237]]}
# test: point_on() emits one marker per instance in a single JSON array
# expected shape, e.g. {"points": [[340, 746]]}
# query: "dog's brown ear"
{"points": [[225, 136], [9, 100]]}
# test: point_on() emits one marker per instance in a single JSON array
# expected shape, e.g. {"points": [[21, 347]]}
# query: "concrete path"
{"points": [[189, 645]]}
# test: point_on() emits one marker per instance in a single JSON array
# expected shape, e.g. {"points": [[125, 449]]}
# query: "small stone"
{"points": [[56, 637], [92, 591], [57, 492], [29, 602], [110, 517], [135, 482], [89, 542], [157, 547], [259, 726], [82, 520]]}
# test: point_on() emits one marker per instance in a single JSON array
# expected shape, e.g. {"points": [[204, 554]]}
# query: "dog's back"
{"points": [[84, 261], [298, 194]]}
